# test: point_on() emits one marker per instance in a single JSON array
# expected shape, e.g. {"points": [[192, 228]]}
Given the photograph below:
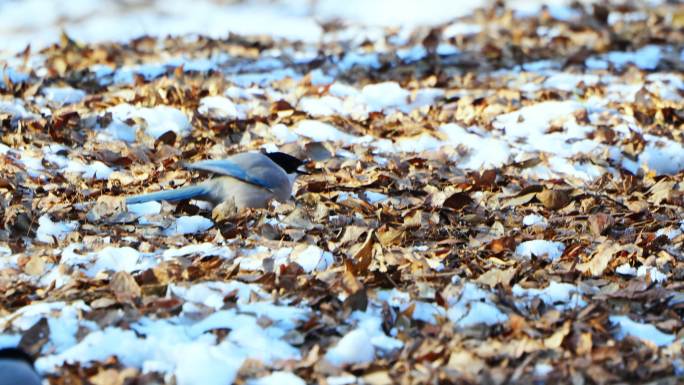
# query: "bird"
{"points": [[249, 179], [16, 368]]}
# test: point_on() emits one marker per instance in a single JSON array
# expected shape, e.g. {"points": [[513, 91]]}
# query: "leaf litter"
{"points": [[495, 199]]}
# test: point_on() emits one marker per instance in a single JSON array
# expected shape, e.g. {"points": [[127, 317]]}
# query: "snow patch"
{"points": [[539, 247], [48, 230], [159, 120], [190, 225], [643, 331]]}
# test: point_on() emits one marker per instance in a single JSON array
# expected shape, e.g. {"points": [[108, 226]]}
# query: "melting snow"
{"points": [[159, 119], [562, 296], [539, 247], [535, 220], [647, 332], [218, 107], [653, 274], [49, 230], [474, 307], [63, 95], [190, 225]]}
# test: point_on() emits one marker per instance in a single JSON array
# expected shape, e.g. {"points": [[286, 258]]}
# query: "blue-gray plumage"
{"points": [[250, 179], [16, 368]]}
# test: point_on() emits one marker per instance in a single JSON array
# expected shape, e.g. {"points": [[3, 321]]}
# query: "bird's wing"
{"points": [[232, 169]]}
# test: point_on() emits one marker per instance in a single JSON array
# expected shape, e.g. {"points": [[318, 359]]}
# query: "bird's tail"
{"points": [[169, 195]]}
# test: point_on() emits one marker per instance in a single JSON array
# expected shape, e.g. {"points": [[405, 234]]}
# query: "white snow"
{"points": [[313, 258], [646, 58], [354, 348], [179, 345], [190, 225], [277, 378], [540, 248], [323, 106], [321, 132], [562, 296], [48, 230], [558, 9], [379, 96], [342, 380], [474, 307], [535, 220], [422, 311], [200, 249], [484, 151], [626, 269], [147, 208], [373, 197], [653, 273], [542, 369], [283, 133], [15, 108], [662, 155], [460, 29], [532, 122], [63, 95], [643, 331], [108, 259], [568, 81], [404, 13], [86, 21], [12, 74], [218, 107], [95, 170], [159, 120], [371, 322]]}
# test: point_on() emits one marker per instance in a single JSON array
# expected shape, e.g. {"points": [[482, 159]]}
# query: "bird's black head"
{"points": [[15, 354], [287, 162]]}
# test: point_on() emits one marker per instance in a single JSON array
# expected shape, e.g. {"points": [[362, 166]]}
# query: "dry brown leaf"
{"points": [[661, 191], [349, 282], [362, 255], [599, 223], [389, 235], [555, 341], [554, 199], [105, 207], [378, 378], [599, 261], [466, 362], [124, 287], [493, 277], [113, 376], [35, 266], [584, 344]]}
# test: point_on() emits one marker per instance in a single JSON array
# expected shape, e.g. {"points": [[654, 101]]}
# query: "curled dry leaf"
{"points": [[554, 199], [599, 223], [362, 255], [124, 287]]}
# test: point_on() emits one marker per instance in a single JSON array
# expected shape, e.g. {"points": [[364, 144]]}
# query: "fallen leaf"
{"points": [[555, 341], [554, 199], [599, 261], [363, 255], [124, 287], [493, 277], [599, 223]]}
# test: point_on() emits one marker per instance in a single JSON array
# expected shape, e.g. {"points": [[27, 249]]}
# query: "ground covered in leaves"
{"points": [[495, 199]]}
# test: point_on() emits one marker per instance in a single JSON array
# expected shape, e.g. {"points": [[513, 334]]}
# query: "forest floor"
{"points": [[496, 198]]}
